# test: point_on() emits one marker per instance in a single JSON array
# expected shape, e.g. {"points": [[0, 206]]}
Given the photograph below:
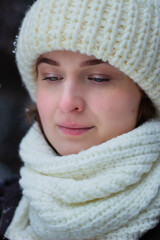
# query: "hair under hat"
{"points": [[126, 33]]}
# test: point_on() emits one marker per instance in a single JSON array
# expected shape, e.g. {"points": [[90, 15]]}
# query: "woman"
{"points": [[92, 157]]}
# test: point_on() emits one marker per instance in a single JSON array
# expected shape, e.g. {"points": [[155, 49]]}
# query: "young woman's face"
{"points": [[83, 101]]}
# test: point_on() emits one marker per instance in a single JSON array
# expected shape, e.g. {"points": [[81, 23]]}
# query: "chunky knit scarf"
{"points": [[110, 191]]}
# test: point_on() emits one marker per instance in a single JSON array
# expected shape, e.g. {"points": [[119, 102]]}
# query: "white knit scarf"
{"points": [[110, 191]]}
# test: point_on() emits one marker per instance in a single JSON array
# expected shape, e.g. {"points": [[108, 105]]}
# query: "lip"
{"points": [[73, 129]]}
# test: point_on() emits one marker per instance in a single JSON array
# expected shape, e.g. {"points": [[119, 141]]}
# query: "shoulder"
{"points": [[153, 234], [10, 194]]}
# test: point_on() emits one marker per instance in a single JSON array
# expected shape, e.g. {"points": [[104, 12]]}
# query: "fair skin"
{"points": [[83, 101]]}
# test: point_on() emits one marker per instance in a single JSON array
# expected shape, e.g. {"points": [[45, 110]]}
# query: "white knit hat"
{"points": [[126, 33]]}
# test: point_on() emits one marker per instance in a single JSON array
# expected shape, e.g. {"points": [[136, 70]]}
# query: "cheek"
{"points": [[125, 104], [118, 105], [44, 105]]}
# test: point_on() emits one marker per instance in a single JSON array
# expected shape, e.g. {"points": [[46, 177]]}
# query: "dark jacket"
{"points": [[10, 194]]}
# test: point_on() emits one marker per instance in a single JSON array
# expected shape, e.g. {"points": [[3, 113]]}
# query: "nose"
{"points": [[71, 99]]}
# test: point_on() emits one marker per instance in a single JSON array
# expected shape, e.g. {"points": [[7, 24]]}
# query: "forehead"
{"points": [[66, 54]]}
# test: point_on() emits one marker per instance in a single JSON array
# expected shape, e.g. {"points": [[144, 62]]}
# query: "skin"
{"points": [[82, 103]]}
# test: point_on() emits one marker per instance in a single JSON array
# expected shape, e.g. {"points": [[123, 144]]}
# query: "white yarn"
{"points": [[108, 192], [126, 33]]}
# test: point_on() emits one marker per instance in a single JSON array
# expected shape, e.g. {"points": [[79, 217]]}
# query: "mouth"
{"points": [[73, 129]]}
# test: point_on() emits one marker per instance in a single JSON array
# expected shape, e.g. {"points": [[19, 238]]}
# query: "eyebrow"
{"points": [[92, 62], [48, 61], [52, 62]]}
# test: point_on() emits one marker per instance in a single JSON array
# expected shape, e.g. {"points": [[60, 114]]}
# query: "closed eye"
{"points": [[53, 78], [99, 79]]}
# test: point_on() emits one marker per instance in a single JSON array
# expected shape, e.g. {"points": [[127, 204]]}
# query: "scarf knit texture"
{"points": [[108, 192]]}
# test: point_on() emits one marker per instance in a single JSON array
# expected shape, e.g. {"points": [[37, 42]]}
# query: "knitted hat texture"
{"points": [[126, 33]]}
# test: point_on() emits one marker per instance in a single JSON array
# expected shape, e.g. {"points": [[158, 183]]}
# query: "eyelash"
{"points": [[51, 78], [99, 79], [96, 79]]}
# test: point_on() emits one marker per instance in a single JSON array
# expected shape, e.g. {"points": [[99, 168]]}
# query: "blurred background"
{"points": [[13, 97]]}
